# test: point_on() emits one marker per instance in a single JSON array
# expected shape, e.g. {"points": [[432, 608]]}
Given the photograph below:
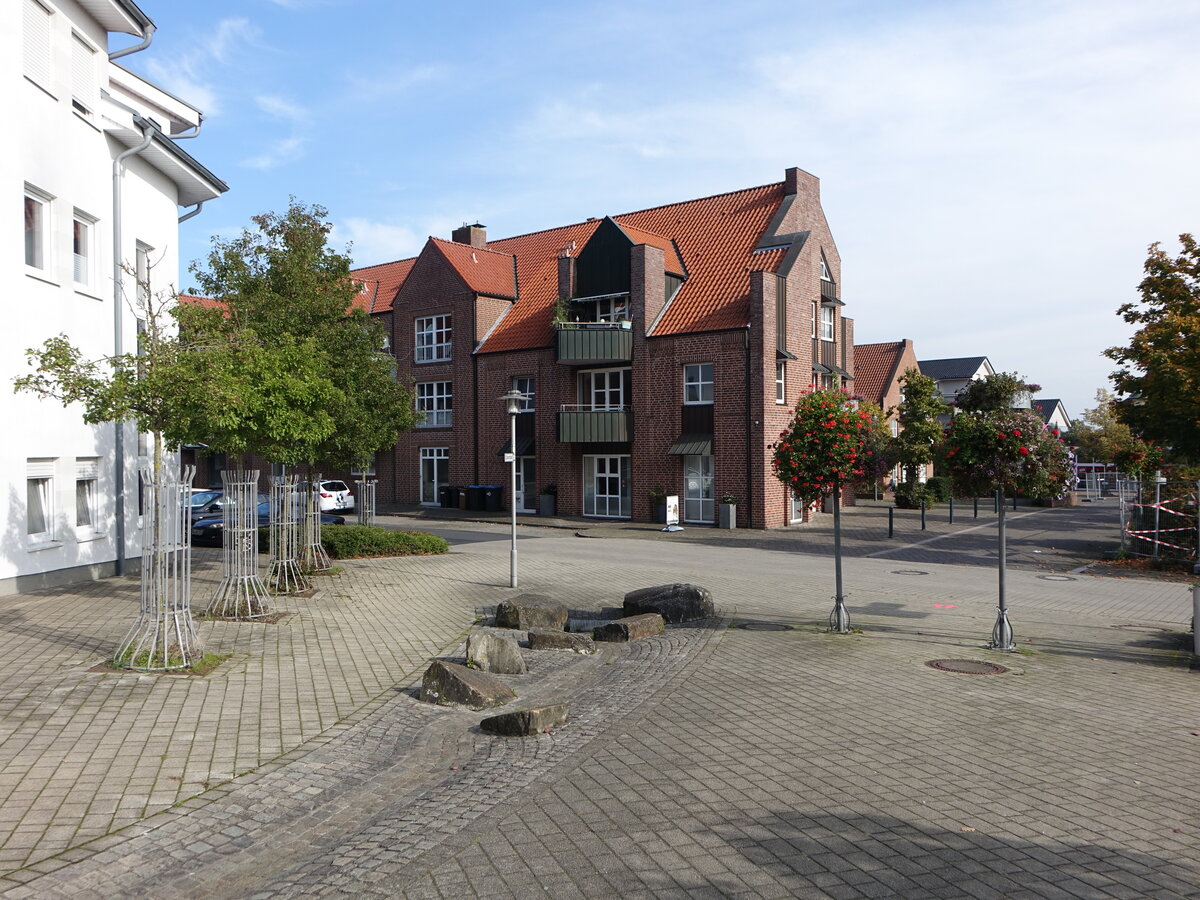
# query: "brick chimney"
{"points": [[475, 235]]}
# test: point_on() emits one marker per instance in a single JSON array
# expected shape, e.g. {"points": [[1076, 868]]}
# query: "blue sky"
{"points": [[992, 170]]}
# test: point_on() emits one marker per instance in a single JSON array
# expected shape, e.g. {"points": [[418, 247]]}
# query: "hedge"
{"points": [[352, 541]]}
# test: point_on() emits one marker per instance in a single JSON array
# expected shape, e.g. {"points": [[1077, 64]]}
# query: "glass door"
{"points": [[526, 484], [698, 489], [606, 486], [435, 472]]}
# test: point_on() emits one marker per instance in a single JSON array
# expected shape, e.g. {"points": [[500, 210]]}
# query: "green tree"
{"points": [[1098, 433], [831, 440], [1159, 370], [997, 391], [920, 432], [306, 379]]}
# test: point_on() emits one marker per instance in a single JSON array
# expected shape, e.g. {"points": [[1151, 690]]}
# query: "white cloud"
{"points": [[283, 110], [376, 242], [284, 150], [190, 74]]}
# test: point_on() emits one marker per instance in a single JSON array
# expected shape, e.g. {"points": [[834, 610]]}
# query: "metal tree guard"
{"points": [[242, 594], [366, 501], [1002, 633], [164, 635], [839, 619], [313, 557], [284, 574]]}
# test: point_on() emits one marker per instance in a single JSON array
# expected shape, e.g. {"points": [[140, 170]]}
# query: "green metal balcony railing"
{"points": [[594, 342], [595, 425]]}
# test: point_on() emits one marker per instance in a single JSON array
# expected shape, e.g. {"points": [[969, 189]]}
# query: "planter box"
{"points": [[660, 513], [727, 515], [547, 504]]}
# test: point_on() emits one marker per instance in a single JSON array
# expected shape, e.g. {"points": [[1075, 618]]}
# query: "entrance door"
{"points": [[435, 472], [526, 484], [698, 489], [606, 486]]}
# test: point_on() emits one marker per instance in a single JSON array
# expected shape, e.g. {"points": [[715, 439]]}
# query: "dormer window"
{"points": [[825, 276]]}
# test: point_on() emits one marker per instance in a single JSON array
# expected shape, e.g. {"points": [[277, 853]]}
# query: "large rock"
{"points": [[544, 639], [490, 652], [674, 602], [525, 722], [448, 683], [531, 611], [631, 628]]}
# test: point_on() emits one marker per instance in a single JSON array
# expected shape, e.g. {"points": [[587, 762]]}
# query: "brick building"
{"points": [[878, 370], [659, 349]]}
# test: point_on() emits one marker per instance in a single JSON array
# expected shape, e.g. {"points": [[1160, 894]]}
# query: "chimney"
{"points": [[795, 179], [566, 274], [475, 235]]}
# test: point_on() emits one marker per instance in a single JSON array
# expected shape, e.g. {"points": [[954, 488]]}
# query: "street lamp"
{"points": [[513, 400]]}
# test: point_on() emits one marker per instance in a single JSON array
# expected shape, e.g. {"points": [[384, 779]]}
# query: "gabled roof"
{"points": [[197, 300], [485, 271], [1047, 406], [672, 261], [387, 278], [949, 369], [876, 367]]}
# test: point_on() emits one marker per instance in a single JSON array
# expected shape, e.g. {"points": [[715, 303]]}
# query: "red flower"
{"points": [[1016, 432], [1001, 436], [1024, 451]]}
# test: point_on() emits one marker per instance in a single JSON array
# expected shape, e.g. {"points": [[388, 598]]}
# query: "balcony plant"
{"points": [[658, 502], [727, 511]]}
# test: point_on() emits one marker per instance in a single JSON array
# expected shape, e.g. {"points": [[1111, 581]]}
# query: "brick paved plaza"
{"points": [[714, 761]]}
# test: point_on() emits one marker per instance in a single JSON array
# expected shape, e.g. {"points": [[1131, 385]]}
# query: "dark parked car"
{"points": [[208, 529], [208, 501]]}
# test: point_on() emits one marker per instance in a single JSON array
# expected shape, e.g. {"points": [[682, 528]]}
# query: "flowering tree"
{"points": [[831, 440], [1011, 451]]}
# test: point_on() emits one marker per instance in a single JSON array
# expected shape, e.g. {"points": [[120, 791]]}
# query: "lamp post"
{"points": [[513, 400]]}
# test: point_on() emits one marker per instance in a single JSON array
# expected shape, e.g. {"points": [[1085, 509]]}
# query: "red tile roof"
{"points": [[387, 278], [197, 300], [673, 263], [875, 368], [485, 271]]}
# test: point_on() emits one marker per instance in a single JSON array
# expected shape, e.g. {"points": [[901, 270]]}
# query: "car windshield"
{"points": [[334, 485], [200, 498]]}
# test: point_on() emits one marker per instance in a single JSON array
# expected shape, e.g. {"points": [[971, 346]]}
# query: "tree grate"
{"points": [[966, 666]]}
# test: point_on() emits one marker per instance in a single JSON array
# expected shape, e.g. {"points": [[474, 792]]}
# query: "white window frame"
{"points": [[433, 454], [39, 487], [827, 323], [825, 273], [526, 385], [38, 44], [85, 88], [781, 382], [701, 508], [624, 463], [588, 390], [368, 473], [141, 273], [87, 471], [43, 232], [435, 401], [796, 508], [433, 338], [83, 266], [814, 318], [698, 390]]}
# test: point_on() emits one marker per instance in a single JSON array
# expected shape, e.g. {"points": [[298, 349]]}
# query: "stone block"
{"points": [[631, 628], [531, 611], [674, 602], [526, 722], [490, 652], [447, 683], [544, 639]]}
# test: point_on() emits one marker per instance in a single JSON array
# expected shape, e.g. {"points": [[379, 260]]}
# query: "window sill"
{"points": [[828, 340], [781, 403], [42, 544], [85, 291], [86, 119], [39, 275], [430, 362], [86, 535], [697, 403]]}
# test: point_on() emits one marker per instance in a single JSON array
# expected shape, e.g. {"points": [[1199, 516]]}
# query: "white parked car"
{"points": [[336, 497]]}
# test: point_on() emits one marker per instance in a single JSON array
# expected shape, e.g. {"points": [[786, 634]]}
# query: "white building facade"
{"points": [[103, 184]]}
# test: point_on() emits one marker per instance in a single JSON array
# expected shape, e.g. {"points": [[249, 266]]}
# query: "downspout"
{"points": [[475, 415], [194, 212], [147, 37], [749, 419], [118, 321]]}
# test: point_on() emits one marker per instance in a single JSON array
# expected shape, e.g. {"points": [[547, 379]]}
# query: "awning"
{"points": [[692, 445], [820, 369], [836, 371], [783, 354], [524, 446]]}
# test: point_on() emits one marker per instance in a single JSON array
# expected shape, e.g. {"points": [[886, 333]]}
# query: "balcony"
{"points": [[592, 343], [595, 425]]}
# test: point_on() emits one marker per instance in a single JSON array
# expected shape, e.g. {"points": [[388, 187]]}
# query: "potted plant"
{"points": [[727, 515], [547, 499], [658, 502]]}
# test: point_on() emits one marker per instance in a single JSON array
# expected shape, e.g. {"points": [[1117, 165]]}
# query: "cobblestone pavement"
{"points": [[714, 761]]}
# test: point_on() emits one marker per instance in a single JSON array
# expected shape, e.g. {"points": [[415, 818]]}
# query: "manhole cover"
{"points": [[764, 626], [909, 572], [966, 666], [1057, 578]]}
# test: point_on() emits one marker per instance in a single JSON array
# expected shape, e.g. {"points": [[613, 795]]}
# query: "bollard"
{"points": [[1014, 502], [922, 515], [996, 503], [976, 516], [891, 524], [951, 510]]}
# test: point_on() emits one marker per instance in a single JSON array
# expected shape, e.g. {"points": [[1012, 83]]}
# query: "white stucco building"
{"points": [[103, 183]]}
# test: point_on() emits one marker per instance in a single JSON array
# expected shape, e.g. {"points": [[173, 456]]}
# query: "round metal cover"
{"points": [[765, 626], [1057, 578], [909, 572], [966, 666]]}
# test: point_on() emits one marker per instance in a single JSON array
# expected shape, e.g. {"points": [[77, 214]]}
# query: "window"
{"points": [[797, 510], [524, 384], [434, 400], [39, 500], [84, 90], [698, 383], [83, 238], [698, 489], [605, 389], [827, 323], [368, 472], [433, 339], [37, 227], [825, 276], [606, 486], [141, 256], [85, 495], [37, 43], [814, 318], [435, 472], [781, 382]]}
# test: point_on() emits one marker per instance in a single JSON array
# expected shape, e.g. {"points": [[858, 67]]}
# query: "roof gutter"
{"points": [[118, 324], [147, 37]]}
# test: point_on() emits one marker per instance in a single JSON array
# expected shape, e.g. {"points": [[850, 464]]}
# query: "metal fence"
{"points": [[1159, 518]]}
